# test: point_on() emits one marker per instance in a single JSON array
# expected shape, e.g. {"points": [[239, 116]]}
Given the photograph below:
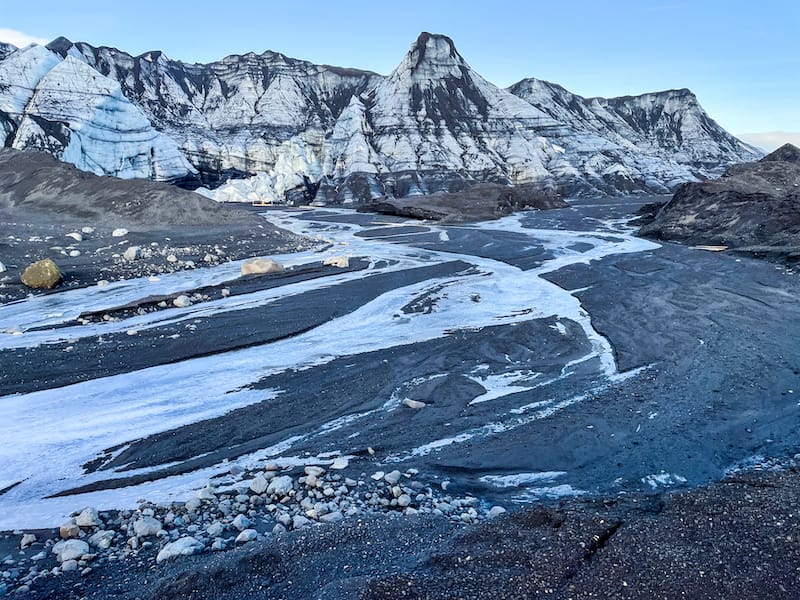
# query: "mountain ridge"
{"points": [[344, 135]]}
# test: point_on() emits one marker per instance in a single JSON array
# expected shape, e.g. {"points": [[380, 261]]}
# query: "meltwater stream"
{"points": [[449, 329]]}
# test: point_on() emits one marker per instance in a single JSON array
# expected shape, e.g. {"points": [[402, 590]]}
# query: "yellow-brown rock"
{"points": [[41, 275]]}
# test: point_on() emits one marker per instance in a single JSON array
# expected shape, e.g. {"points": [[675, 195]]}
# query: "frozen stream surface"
{"points": [[490, 325]]}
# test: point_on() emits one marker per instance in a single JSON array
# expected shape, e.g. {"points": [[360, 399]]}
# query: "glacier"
{"points": [[269, 128]]}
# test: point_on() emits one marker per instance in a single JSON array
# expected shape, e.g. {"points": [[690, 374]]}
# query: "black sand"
{"points": [[718, 336]]}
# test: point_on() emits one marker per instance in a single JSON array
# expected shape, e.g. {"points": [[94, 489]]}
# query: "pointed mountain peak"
{"points": [[432, 54], [434, 47], [431, 59], [60, 45]]}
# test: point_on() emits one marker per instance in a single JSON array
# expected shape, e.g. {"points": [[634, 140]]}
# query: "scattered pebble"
{"points": [[415, 404]]}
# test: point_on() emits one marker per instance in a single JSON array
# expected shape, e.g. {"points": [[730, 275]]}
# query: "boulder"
{"points": [[42, 275], [415, 404], [89, 517], [261, 266], [119, 232], [69, 530], [70, 550], [241, 522], [75, 236], [132, 253], [248, 535], [259, 485], [185, 546], [340, 463], [332, 517], [280, 486], [393, 477], [206, 493], [69, 565], [102, 539], [146, 526], [182, 301], [337, 261]]}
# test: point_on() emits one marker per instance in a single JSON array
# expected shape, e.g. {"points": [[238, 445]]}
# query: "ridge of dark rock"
{"points": [[754, 207], [786, 153]]}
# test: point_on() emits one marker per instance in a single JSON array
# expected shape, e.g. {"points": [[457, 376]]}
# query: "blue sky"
{"points": [[741, 58]]}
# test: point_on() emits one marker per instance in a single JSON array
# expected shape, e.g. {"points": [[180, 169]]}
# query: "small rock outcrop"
{"points": [[474, 203], [753, 207], [42, 275]]}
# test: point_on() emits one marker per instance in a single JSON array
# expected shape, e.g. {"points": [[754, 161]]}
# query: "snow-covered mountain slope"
{"points": [[6, 49], [343, 135], [670, 124], [63, 106], [240, 115], [431, 124]]}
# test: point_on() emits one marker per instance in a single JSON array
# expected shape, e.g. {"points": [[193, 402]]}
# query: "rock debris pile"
{"points": [[259, 505]]}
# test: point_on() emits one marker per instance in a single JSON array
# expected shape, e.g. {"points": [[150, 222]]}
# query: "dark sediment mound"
{"points": [[753, 207], [35, 183], [476, 203], [86, 224]]}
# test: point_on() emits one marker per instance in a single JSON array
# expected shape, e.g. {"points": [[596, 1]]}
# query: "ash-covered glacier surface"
{"points": [[298, 132], [537, 356]]}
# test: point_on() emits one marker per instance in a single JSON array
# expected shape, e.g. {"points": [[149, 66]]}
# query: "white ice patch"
{"points": [[551, 492], [663, 479], [500, 385], [519, 479]]}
